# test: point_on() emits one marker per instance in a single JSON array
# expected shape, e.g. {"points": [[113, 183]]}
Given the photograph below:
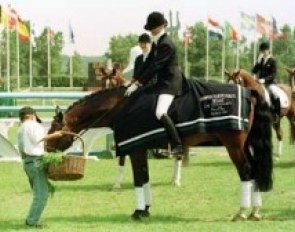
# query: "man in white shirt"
{"points": [[129, 70], [32, 150]]}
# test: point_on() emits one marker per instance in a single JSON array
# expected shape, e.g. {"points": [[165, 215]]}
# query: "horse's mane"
{"points": [[95, 96]]}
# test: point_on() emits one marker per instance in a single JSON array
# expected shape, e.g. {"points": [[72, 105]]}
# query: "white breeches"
{"points": [[279, 93], [163, 104]]}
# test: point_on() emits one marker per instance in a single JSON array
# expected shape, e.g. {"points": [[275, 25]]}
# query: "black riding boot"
{"points": [[172, 135], [277, 110]]}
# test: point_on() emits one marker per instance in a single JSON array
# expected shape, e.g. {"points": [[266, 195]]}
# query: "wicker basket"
{"points": [[72, 166]]}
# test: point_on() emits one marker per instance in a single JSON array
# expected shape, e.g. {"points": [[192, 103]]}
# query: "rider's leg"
{"points": [[163, 104], [276, 103]]}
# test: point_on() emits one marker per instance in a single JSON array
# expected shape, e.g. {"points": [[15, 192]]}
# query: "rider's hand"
{"points": [[131, 89], [261, 81], [127, 83]]}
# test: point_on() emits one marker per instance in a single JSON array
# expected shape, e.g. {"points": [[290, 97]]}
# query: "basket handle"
{"points": [[79, 137]]}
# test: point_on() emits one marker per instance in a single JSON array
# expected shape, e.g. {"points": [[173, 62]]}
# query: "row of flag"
{"points": [[11, 20], [257, 24]]}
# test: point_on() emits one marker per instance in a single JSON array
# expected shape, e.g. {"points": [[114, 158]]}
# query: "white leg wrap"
{"points": [[140, 199], [177, 172], [147, 194], [255, 196], [246, 194], [120, 177], [280, 148]]}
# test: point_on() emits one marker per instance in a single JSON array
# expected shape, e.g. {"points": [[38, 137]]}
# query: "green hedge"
{"points": [[56, 81]]}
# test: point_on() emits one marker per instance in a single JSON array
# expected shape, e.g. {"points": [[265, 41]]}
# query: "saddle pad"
{"points": [[203, 108]]}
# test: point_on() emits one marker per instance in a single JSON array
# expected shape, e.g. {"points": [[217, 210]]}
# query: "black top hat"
{"points": [[144, 38], [264, 46], [155, 19], [27, 110]]}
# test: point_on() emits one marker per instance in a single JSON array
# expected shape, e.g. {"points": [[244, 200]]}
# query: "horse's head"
{"points": [[291, 72], [94, 110], [234, 77], [63, 142]]}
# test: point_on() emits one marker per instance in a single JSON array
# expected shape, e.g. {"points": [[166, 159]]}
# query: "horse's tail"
{"points": [[260, 140], [292, 130]]}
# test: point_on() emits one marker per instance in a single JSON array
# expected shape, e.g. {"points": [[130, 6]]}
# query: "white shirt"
{"points": [[134, 52], [29, 135], [156, 38]]}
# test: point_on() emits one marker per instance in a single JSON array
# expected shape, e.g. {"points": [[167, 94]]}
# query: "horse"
{"points": [[249, 150], [244, 78]]}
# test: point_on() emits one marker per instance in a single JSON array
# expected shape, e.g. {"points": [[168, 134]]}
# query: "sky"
{"points": [[94, 22]]}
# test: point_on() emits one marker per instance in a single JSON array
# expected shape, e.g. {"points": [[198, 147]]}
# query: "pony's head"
{"points": [[291, 72], [234, 77]]}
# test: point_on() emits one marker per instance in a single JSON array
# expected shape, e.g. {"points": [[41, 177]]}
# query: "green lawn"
{"points": [[209, 196]]}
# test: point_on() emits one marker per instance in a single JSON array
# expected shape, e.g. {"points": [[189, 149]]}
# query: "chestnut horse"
{"points": [[247, 80], [250, 150]]}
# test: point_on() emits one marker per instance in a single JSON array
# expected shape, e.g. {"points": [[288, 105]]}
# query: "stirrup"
{"points": [[276, 118], [177, 151]]}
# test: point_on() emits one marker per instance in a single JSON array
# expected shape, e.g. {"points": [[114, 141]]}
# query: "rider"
{"points": [[265, 71], [144, 42], [162, 64]]}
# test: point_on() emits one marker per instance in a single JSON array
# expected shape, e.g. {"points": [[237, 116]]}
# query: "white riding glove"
{"points": [[127, 83], [261, 81], [131, 89]]}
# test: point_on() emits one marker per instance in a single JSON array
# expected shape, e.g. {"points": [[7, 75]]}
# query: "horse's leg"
{"points": [[234, 146], [140, 171], [179, 161], [279, 135], [120, 175]]}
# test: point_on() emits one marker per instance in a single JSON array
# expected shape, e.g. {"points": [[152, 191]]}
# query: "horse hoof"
{"points": [[139, 214], [176, 183], [239, 217], [255, 217], [117, 188]]}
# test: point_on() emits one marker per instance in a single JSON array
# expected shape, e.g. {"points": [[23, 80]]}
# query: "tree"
{"points": [[119, 47]]}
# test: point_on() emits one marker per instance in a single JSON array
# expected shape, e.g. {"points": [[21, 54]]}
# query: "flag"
{"points": [[9, 18], [33, 35], [214, 29], [247, 22], [71, 34], [187, 36], [50, 35], [230, 32], [263, 26], [23, 31]]}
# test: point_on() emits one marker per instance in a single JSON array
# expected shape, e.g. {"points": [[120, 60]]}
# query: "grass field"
{"points": [[209, 196]]}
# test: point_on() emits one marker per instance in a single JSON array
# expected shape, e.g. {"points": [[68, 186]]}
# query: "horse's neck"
{"points": [[99, 120], [249, 81]]}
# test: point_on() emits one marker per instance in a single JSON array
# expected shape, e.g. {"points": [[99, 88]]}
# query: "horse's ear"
{"points": [[57, 110], [226, 72], [60, 116], [289, 70], [103, 71]]}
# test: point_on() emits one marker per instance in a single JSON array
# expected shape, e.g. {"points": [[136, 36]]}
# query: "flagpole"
{"points": [[186, 57], [17, 54], [207, 53], [255, 42], [7, 55], [223, 59], [71, 71], [238, 55], [48, 57], [31, 58]]}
